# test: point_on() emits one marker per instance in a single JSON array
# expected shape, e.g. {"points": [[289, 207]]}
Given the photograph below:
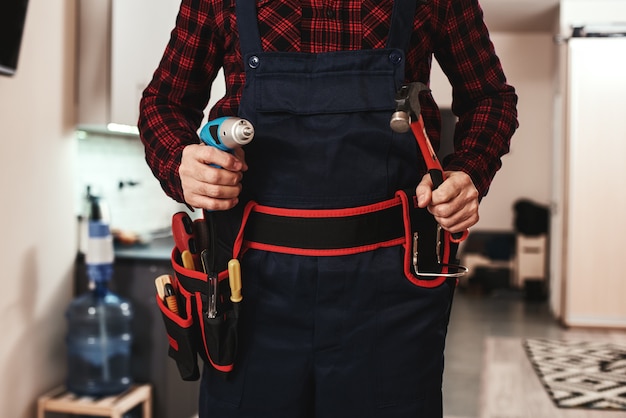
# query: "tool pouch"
{"points": [[191, 333], [219, 335], [182, 332], [430, 254]]}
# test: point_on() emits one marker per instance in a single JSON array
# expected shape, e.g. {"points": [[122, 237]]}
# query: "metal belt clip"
{"points": [[415, 252], [438, 247], [458, 270], [212, 302]]}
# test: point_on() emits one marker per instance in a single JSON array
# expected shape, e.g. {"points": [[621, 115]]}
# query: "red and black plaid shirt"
{"points": [[205, 39]]}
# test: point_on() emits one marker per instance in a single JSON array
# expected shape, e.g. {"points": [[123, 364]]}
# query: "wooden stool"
{"points": [[60, 400]]}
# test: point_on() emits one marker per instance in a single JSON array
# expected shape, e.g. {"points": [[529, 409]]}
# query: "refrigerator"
{"points": [[589, 186]]}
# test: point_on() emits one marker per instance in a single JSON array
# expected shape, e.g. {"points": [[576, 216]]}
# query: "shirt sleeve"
{"points": [[172, 105], [483, 101]]}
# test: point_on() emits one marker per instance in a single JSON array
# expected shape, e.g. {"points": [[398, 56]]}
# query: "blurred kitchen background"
{"points": [[82, 67]]}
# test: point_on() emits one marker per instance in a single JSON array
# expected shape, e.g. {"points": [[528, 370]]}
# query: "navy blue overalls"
{"points": [[329, 332]]}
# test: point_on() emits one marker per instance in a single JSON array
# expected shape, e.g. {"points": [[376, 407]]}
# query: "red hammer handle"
{"points": [[430, 157], [432, 164]]}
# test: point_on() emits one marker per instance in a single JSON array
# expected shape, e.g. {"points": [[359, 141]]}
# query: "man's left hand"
{"points": [[454, 204]]}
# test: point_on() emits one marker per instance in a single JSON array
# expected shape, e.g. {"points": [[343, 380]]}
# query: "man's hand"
{"points": [[209, 187], [454, 204]]}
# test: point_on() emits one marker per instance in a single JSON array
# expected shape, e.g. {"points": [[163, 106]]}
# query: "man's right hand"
{"points": [[209, 187]]}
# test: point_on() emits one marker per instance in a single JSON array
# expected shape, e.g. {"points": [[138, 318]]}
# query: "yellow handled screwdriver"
{"points": [[234, 280]]}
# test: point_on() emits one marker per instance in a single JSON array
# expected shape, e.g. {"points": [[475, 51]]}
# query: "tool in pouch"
{"points": [[205, 319], [408, 117], [227, 134], [222, 314], [220, 306], [166, 292]]}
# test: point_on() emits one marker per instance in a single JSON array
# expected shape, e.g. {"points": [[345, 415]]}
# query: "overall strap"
{"points": [[402, 18], [248, 27]]}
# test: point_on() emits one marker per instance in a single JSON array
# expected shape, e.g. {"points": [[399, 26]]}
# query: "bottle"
{"points": [[99, 322], [83, 221]]}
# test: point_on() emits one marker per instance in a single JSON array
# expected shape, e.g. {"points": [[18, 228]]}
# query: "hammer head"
{"points": [[407, 106]]}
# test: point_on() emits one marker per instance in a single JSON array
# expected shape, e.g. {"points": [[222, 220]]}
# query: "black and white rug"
{"points": [[580, 374]]}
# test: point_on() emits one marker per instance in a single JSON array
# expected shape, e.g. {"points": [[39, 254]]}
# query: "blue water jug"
{"points": [[99, 343], [99, 334]]}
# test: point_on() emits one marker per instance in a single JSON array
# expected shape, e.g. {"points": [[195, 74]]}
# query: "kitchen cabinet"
{"points": [[587, 275], [133, 279], [120, 44], [140, 31]]}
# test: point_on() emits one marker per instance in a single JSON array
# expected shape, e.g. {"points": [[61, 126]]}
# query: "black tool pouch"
{"points": [[192, 332], [220, 333], [182, 332]]}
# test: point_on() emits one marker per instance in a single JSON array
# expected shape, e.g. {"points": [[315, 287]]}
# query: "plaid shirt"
{"points": [[205, 39]]}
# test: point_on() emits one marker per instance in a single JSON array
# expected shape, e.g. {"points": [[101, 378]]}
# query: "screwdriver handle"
{"points": [[234, 280], [170, 298]]}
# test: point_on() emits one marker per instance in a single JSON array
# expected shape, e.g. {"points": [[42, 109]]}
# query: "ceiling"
{"points": [[521, 15]]}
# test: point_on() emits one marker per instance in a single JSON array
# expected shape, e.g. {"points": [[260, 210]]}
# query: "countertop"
{"points": [[156, 249]]}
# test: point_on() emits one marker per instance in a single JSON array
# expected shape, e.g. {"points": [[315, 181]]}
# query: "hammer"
{"points": [[408, 116]]}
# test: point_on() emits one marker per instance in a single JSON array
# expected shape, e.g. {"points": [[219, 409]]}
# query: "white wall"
{"points": [[37, 246], [105, 161], [528, 63]]}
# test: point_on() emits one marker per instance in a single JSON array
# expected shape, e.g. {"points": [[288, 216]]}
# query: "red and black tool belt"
{"points": [[429, 253], [324, 232], [398, 222]]}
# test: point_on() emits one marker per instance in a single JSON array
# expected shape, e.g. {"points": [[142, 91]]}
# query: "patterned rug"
{"points": [[580, 374]]}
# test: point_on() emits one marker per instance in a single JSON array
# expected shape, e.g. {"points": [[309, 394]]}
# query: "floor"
{"points": [[487, 373]]}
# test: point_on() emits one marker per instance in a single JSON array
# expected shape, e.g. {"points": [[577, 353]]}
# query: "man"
{"points": [[335, 322]]}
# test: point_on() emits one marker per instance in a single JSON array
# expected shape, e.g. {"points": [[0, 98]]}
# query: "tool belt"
{"points": [[429, 259], [429, 251], [323, 232]]}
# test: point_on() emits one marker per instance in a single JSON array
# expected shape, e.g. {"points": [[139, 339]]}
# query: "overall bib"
{"points": [[330, 334]]}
